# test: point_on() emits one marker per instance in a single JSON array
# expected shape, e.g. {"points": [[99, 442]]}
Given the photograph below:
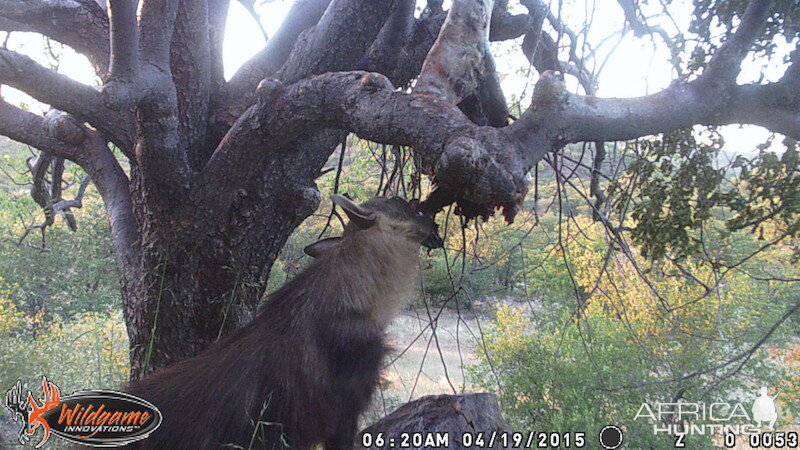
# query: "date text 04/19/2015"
{"points": [[505, 439]]}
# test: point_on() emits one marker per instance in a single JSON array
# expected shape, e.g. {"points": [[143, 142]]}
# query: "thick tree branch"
{"points": [[391, 39], [80, 24], [191, 71], [505, 25], [124, 39], [7, 24], [482, 165], [481, 162], [490, 94], [113, 186], [156, 25], [339, 40], [455, 64], [28, 128], [217, 17], [238, 93], [282, 114], [151, 90], [406, 64], [562, 117], [145, 65], [66, 94], [726, 62]]}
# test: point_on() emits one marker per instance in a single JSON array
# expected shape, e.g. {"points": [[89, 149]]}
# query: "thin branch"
{"points": [[249, 5], [640, 28], [539, 9]]}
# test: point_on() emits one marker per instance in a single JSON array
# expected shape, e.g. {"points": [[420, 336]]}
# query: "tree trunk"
{"points": [[222, 172], [202, 279], [435, 416]]}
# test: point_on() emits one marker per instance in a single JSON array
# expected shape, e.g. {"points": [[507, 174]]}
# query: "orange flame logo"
{"points": [[50, 400]]}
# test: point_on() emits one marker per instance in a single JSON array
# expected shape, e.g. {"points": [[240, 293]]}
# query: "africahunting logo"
{"points": [[92, 417]]}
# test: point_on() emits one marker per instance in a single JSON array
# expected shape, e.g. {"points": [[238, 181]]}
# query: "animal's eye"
{"points": [[420, 214]]}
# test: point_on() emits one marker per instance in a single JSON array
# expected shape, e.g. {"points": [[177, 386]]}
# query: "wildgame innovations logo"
{"points": [[96, 418], [699, 418]]}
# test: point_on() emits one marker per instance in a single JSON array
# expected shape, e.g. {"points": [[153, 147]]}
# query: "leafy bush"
{"points": [[597, 364]]}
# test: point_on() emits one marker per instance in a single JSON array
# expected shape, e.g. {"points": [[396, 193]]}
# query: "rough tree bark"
{"points": [[221, 172]]}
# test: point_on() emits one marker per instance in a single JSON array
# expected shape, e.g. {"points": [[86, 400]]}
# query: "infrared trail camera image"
{"points": [[274, 224]]}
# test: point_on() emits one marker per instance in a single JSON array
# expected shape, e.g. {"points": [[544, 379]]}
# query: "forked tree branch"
{"points": [[147, 84], [66, 94], [640, 28], [443, 139], [482, 165], [726, 63], [711, 99]]}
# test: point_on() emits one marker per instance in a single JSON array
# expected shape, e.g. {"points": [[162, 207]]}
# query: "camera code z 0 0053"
{"points": [[474, 439]]}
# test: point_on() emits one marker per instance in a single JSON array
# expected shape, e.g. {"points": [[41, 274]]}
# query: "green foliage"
{"points": [[677, 188], [677, 185], [588, 367], [60, 310], [767, 192], [553, 377], [711, 15], [65, 274]]}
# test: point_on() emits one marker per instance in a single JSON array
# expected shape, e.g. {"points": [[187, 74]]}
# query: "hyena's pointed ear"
{"points": [[363, 219], [316, 249]]}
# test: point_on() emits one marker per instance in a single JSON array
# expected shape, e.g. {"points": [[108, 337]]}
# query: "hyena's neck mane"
{"points": [[371, 273]]}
